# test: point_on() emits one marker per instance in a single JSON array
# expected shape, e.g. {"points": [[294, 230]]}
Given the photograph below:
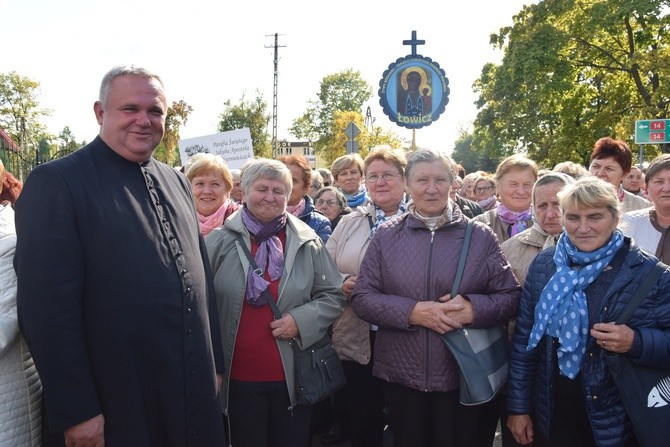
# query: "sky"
{"points": [[209, 51]]}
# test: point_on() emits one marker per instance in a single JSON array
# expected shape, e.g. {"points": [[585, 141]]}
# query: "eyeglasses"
{"points": [[387, 176], [482, 189], [330, 202]]}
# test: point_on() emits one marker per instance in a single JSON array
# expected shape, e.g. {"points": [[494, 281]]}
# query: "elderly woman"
{"points": [[347, 173], [521, 249], [564, 330], [404, 288], [258, 394], [300, 204], [236, 193], [485, 192], [20, 410], [211, 183], [331, 203], [649, 227], [611, 161], [514, 180], [354, 338], [316, 184]]}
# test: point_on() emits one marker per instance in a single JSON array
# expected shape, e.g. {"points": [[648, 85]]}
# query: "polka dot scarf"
{"points": [[561, 311]]}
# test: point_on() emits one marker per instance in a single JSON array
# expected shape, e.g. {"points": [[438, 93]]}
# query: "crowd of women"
{"points": [[367, 252]]}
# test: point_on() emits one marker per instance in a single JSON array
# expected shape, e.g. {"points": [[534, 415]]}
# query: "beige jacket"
{"points": [[499, 227], [521, 249], [347, 245]]}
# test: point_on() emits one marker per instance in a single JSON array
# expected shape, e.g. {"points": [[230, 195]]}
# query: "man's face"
{"points": [[132, 121]]}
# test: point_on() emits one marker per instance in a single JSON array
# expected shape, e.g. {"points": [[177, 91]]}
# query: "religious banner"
{"points": [[234, 147], [414, 90]]}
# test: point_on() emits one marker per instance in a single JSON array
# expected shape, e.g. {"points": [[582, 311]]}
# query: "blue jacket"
{"points": [[531, 373], [316, 221]]}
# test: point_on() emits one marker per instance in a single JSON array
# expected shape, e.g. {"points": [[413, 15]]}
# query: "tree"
{"points": [[346, 91], [175, 117], [336, 145], [572, 72], [67, 141], [19, 110], [252, 114]]}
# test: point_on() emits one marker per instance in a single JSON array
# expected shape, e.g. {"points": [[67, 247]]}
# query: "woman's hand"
{"points": [[613, 337], [284, 328], [464, 314], [521, 427], [348, 286], [439, 316]]}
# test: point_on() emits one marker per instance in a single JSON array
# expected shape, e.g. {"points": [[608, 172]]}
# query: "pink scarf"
{"points": [[216, 219], [298, 209]]}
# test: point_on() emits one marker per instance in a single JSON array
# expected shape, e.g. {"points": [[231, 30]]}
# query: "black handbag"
{"points": [[644, 390], [318, 371], [482, 354]]}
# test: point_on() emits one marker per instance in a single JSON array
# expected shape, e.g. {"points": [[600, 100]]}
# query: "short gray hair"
{"points": [[123, 70], [429, 156], [264, 167]]}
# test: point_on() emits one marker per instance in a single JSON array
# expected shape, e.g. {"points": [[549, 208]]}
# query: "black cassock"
{"points": [[115, 299]]}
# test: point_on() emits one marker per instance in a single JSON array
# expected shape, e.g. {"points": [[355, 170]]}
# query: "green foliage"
{"points": [[176, 116], [346, 91], [252, 114], [20, 112], [572, 72]]}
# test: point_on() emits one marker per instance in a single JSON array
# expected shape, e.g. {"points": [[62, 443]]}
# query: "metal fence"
{"points": [[20, 164]]}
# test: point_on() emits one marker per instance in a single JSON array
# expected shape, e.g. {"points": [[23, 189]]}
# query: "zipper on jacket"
{"points": [[428, 289]]}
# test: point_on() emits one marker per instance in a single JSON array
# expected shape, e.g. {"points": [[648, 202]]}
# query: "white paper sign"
{"points": [[234, 146]]}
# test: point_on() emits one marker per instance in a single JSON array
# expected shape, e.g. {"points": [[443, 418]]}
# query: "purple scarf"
{"points": [[516, 219], [269, 256]]}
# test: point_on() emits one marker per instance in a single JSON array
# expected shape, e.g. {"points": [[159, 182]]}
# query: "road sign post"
{"points": [[352, 132], [652, 131]]}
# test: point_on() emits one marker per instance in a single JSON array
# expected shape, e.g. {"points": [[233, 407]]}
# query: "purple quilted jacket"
{"points": [[406, 263]]}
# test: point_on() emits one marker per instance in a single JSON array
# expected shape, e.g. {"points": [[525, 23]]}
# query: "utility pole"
{"points": [[276, 47]]}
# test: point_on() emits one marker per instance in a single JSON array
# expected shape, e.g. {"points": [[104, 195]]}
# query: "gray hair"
{"points": [[657, 165], [429, 156], [550, 178], [264, 167], [590, 192], [123, 70], [341, 200], [236, 174]]}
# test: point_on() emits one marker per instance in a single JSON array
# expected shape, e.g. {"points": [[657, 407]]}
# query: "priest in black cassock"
{"points": [[114, 289]]}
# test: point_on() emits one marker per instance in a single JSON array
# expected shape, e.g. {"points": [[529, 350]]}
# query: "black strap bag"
{"points": [[644, 390], [318, 371], [482, 354]]}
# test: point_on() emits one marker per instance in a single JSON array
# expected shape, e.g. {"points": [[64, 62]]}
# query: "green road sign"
{"points": [[652, 131]]}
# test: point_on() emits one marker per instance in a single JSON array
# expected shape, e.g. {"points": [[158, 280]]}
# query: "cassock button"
{"points": [[188, 310]]}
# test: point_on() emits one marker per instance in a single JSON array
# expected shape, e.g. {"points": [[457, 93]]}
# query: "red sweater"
{"points": [[256, 355]]}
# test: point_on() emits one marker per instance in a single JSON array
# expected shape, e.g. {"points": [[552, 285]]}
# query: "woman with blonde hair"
{"points": [[565, 327], [514, 181], [211, 183], [347, 173]]}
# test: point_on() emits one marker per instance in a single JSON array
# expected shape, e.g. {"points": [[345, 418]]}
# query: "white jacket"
{"points": [[20, 388]]}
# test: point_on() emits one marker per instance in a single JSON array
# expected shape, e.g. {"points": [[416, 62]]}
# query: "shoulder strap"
{"points": [[464, 255], [258, 271], [641, 292]]}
